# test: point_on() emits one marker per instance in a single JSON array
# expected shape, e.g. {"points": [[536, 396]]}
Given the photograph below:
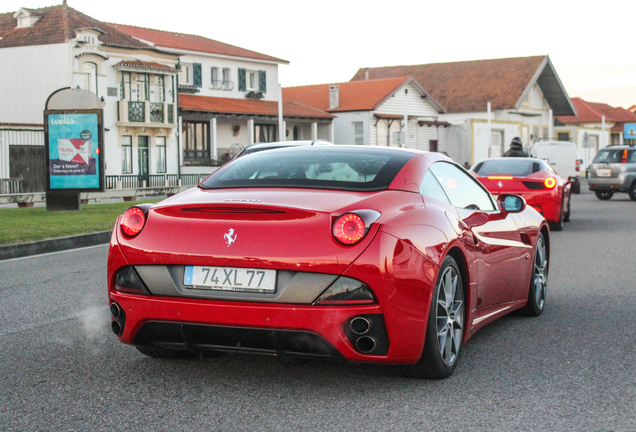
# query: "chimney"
{"points": [[366, 74], [334, 98]]}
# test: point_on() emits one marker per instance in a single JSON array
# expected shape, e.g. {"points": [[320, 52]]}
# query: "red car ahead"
{"points": [[531, 178], [359, 253]]}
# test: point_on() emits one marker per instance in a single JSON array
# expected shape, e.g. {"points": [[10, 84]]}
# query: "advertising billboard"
{"points": [[74, 150]]}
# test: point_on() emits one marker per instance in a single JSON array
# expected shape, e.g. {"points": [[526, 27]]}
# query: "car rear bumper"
{"points": [[299, 330]]}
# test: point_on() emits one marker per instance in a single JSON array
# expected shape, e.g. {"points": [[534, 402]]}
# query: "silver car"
{"points": [[613, 170]]}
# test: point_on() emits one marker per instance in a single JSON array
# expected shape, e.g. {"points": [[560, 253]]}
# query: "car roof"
{"points": [[510, 158], [619, 147], [288, 144]]}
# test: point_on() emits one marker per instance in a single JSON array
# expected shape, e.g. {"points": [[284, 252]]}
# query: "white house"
{"points": [[229, 99], [489, 102], [379, 112], [58, 47]]}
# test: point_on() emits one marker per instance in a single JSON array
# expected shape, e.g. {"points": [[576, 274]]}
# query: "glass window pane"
{"points": [[462, 190]]}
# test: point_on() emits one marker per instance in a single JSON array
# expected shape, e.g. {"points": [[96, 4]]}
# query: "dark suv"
{"points": [[613, 170]]}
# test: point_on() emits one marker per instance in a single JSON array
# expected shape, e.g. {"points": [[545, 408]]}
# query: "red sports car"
{"points": [[366, 254], [531, 178]]}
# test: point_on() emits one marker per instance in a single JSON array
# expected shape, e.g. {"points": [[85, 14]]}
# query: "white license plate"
{"points": [[604, 172], [230, 279]]}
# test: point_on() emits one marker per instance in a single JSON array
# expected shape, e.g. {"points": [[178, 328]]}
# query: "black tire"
{"points": [[558, 226], [566, 217], [445, 329], [632, 191], [164, 353], [603, 195], [539, 280]]}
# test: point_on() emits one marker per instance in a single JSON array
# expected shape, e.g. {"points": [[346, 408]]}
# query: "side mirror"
{"points": [[511, 203]]}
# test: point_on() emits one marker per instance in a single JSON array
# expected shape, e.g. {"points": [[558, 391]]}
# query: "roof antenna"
{"points": [[64, 3]]}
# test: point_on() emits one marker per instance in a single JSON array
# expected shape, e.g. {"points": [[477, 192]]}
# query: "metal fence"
{"points": [[154, 180], [11, 186]]}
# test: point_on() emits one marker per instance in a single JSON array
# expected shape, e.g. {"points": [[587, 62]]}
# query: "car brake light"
{"points": [[133, 221], [550, 182], [624, 157], [500, 178], [578, 165], [128, 281], [349, 229]]}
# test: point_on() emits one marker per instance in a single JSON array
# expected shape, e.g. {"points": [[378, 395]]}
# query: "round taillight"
{"points": [[133, 221], [550, 182], [349, 229]]}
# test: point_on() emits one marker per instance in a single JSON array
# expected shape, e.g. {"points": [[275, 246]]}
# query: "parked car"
{"points": [[613, 170], [563, 157], [379, 255], [531, 178], [254, 148]]}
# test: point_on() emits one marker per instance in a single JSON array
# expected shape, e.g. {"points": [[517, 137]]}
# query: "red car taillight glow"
{"points": [[550, 182], [349, 229], [133, 221]]}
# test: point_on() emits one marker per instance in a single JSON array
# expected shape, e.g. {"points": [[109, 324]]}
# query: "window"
{"points": [[215, 80], [563, 136], [358, 133], [23, 21], [197, 141], [140, 87], [161, 154], [157, 90], [462, 190], [125, 85], [126, 155], [264, 133], [252, 81], [296, 133], [433, 145], [90, 77], [545, 133], [535, 133], [227, 79], [431, 188], [185, 75]]}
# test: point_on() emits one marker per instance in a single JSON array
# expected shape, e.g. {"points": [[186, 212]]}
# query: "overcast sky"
{"points": [[327, 41]]}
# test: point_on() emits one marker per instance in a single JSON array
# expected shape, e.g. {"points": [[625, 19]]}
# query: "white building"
{"points": [[229, 99], [380, 112], [489, 102]]}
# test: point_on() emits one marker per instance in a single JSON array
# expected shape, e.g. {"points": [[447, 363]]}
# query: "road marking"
{"points": [[53, 253]]}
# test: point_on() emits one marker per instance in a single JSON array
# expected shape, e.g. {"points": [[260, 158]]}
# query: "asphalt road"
{"points": [[572, 369]]}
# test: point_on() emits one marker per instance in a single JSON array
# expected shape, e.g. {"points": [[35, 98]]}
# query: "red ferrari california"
{"points": [[531, 178], [367, 254]]}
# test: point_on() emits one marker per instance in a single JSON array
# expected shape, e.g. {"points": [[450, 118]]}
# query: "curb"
{"points": [[54, 245]]}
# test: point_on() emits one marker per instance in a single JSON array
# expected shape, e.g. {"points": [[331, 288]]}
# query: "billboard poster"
{"points": [[73, 151]]}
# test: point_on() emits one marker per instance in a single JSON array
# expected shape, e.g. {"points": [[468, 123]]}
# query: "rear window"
{"points": [[614, 156], [516, 167], [312, 167]]}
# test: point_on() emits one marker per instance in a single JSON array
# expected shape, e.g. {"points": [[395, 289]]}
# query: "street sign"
{"points": [[630, 130]]}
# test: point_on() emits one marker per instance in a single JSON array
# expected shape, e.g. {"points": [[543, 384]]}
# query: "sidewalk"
{"points": [[54, 245]]}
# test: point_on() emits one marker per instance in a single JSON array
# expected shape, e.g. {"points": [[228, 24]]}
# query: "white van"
{"points": [[563, 157]]}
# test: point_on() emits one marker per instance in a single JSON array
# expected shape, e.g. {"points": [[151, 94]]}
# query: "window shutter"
{"points": [[262, 82], [196, 74], [241, 79]]}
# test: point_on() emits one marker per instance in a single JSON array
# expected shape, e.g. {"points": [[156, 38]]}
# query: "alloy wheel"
{"points": [[540, 277], [450, 316]]}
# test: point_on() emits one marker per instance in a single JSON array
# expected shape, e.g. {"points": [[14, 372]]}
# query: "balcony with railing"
{"points": [[222, 85], [146, 114]]}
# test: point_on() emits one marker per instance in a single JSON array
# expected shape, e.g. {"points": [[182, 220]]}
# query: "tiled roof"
{"points": [[468, 86], [592, 112], [58, 25], [189, 42], [248, 106], [136, 64], [353, 96]]}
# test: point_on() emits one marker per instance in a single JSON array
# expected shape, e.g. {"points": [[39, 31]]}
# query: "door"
{"points": [[496, 144], [500, 254], [144, 175], [28, 163]]}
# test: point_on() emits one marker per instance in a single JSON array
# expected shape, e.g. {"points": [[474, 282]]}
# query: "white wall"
{"points": [[343, 128], [28, 76], [209, 61]]}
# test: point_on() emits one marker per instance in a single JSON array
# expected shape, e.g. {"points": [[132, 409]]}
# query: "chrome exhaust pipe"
{"points": [[360, 325], [115, 310], [117, 328], [366, 344]]}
